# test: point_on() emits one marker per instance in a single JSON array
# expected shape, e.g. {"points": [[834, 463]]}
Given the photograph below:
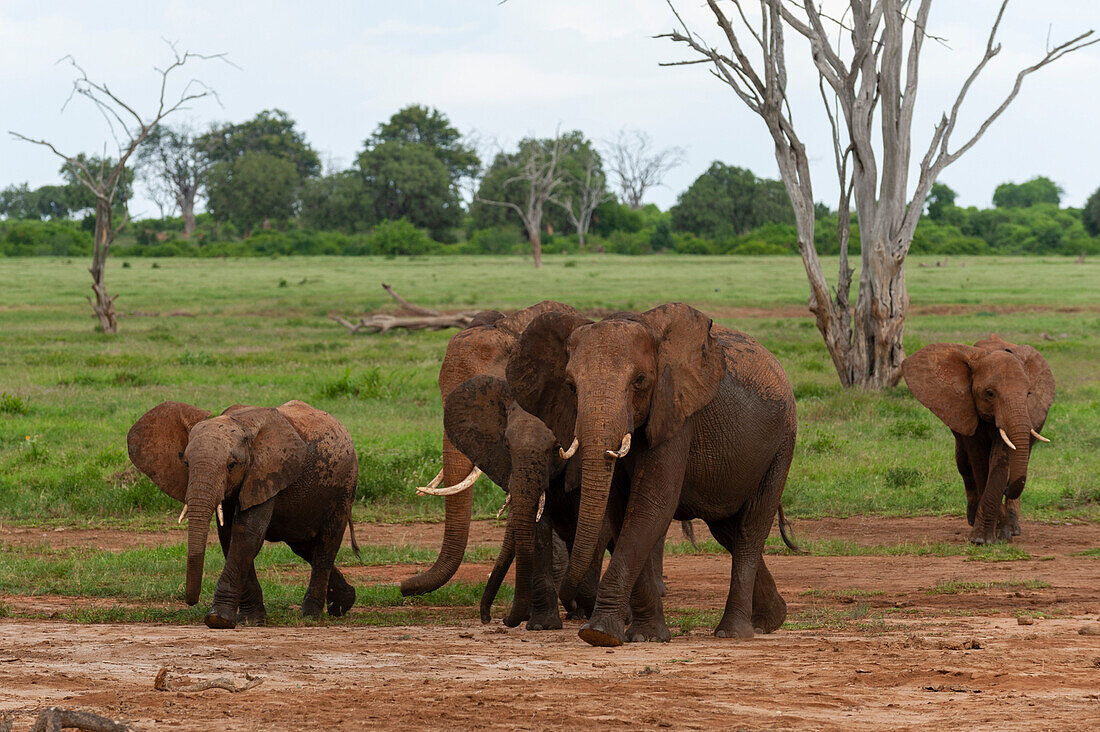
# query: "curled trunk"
{"points": [[456, 527], [504, 561]]}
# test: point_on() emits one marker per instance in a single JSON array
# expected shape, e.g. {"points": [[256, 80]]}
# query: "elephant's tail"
{"points": [[784, 527], [689, 532], [354, 543]]}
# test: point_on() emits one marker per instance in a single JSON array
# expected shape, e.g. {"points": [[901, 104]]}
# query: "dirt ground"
{"points": [[906, 658]]}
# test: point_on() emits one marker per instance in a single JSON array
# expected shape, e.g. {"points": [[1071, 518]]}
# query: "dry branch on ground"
{"points": [[419, 318], [161, 683]]}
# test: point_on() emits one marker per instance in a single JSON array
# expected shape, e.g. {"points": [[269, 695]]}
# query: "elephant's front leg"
{"points": [[251, 609], [989, 509], [246, 536], [1011, 525], [973, 494], [544, 592], [656, 481]]}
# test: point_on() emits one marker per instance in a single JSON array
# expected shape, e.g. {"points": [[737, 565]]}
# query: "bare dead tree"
{"points": [[585, 192], [174, 169], [636, 166], [538, 170], [129, 130], [865, 342]]}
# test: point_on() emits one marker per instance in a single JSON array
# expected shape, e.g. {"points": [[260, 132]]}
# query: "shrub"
{"points": [[496, 240], [12, 404], [398, 237], [43, 238]]}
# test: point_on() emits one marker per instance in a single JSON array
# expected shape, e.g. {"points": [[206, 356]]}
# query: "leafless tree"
{"points": [[538, 175], [585, 191], [174, 167], [636, 166], [129, 130], [865, 342]]}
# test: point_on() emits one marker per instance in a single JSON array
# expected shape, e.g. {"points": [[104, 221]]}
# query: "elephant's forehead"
{"points": [[221, 427], [999, 365], [610, 336]]}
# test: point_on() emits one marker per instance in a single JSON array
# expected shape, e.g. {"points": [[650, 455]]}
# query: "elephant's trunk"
{"points": [[504, 561], [456, 527], [597, 437], [204, 493], [1017, 424]]}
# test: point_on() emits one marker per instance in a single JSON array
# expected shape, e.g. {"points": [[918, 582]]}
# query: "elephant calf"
{"points": [[281, 474]]}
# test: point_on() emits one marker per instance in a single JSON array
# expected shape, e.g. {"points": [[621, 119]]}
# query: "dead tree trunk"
{"points": [[104, 304]]}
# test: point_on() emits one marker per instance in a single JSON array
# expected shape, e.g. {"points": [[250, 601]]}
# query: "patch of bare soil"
{"points": [[890, 653]]}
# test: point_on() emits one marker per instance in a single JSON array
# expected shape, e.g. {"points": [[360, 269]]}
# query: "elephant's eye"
{"points": [[989, 393], [639, 381], [232, 464]]}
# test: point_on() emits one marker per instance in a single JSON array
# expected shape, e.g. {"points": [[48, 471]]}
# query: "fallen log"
{"points": [[161, 683], [420, 318]]}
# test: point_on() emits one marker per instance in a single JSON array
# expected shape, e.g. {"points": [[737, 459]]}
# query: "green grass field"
{"points": [[218, 332]]}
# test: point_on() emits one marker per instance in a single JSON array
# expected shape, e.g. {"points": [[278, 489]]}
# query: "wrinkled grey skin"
{"points": [[284, 474]]}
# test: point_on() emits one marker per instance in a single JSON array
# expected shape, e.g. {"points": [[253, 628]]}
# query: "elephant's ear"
{"points": [[278, 455], [939, 376], [536, 372], [156, 443], [1040, 382], [690, 365], [485, 317], [475, 418]]}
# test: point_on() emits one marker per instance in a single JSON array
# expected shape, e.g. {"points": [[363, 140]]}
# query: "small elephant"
{"points": [[281, 474], [519, 453], [700, 418], [994, 396]]}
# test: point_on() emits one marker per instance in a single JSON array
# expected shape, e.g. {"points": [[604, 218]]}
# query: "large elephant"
{"points": [[283, 474], [482, 348], [702, 420], [994, 396], [520, 454]]}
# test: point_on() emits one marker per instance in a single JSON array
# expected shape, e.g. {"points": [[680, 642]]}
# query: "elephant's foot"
{"points": [[980, 535], [311, 608], [220, 618], [576, 613], [651, 631], [548, 620], [251, 616], [730, 627], [603, 630], [769, 618], [340, 600]]}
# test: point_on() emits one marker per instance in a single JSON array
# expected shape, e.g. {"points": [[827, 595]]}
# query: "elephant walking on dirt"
{"points": [[994, 396], [283, 474], [702, 420]]}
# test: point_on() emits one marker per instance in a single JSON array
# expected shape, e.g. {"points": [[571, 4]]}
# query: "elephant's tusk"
{"points": [[507, 500], [221, 518], [623, 448], [1039, 437], [436, 481], [183, 514], [1004, 436], [542, 505], [468, 481], [566, 454]]}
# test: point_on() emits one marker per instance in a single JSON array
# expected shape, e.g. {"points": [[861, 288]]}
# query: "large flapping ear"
{"points": [[1040, 382], [690, 365], [1040, 377], [156, 443], [475, 418], [536, 372], [939, 376], [277, 452]]}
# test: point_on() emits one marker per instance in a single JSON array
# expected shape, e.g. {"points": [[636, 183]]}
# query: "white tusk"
{"points": [[566, 454], [436, 481], [221, 518], [1004, 436], [183, 513], [468, 481], [542, 505], [1039, 437], [623, 448], [507, 500]]}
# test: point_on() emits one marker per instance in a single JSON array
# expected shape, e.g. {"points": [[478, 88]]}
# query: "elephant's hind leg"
{"points": [[341, 595], [769, 609], [973, 495]]}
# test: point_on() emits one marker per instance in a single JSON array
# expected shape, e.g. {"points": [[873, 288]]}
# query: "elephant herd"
{"points": [[601, 433]]}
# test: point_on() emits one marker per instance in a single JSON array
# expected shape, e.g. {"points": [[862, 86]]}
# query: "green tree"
{"points": [[727, 201], [1039, 189], [427, 126], [272, 132], [173, 166], [337, 201], [940, 198], [254, 188], [407, 180], [1090, 215]]}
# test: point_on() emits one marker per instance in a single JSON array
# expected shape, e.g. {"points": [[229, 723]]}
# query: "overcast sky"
{"points": [[525, 68]]}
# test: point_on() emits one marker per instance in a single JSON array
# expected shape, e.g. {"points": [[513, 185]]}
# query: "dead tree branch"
{"points": [[161, 683], [408, 305], [55, 719], [421, 318]]}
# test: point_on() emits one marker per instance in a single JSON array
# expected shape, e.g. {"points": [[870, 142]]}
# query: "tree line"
{"points": [[419, 186]]}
